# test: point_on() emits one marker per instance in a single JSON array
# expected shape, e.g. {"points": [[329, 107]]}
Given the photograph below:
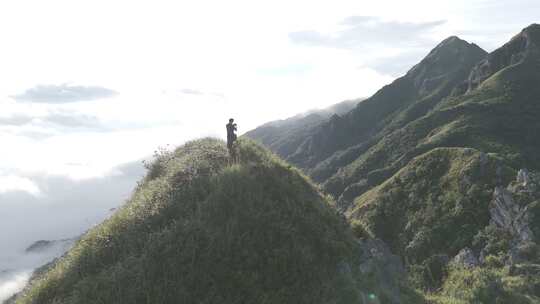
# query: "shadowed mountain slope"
{"points": [[284, 136], [406, 99], [429, 165], [327, 147], [497, 117]]}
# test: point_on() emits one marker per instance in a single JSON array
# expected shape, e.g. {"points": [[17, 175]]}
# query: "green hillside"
{"points": [[433, 203], [200, 231], [437, 170], [443, 202], [498, 117], [440, 102]]}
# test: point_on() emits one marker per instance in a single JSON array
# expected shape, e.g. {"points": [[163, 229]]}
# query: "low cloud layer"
{"points": [[64, 93], [365, 31], [58, 207], [53, 208], [52, 123], [13, 183], [12, 282], [22, 264]]}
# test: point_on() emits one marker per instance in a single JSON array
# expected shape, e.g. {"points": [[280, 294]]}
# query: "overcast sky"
{"points": [[86, 86]]}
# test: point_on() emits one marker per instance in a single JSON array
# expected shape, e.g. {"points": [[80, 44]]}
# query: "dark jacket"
{"points": [[231, 136]]}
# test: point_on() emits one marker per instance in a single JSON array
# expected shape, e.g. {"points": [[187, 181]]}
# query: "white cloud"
{"points": [[64, 93], [13, 183], [365, 32], [64, 209], [13, 283]]}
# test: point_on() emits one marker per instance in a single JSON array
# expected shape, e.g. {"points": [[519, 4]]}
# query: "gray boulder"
{"points": [[465, 258]]}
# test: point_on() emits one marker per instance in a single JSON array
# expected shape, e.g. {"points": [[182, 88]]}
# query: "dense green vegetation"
{"points": [[432, 203], [417, 164], [200, 231], [500, 117], [487, 285]]}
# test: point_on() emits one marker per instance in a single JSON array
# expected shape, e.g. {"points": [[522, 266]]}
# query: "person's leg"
{"points": [[234, 154], [230, 149]]}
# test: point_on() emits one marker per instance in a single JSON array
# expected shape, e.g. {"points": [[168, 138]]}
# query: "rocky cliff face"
{"points": [[509, 235], [507, 214], [510, 212]]}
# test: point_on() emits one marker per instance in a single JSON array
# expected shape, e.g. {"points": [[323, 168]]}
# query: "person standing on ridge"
{"points": [[231, 138]]}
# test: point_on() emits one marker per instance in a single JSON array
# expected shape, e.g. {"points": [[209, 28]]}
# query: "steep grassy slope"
{"points": [[500, 117], [441, 203], [199, 231], [436, 204], [487, 285]]}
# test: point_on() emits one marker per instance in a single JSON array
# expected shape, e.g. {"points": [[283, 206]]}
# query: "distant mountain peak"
{"points": [[452, 40], [448, 57]]}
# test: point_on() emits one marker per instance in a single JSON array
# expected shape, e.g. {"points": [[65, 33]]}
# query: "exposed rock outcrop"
{"points": [[507, 214], [466, 258], [510, 212]]}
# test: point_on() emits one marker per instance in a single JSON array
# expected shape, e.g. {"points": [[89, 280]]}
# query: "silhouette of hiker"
{"points": [[231, 138]]}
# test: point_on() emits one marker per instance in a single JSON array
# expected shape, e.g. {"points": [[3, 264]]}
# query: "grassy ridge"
{"points": [[199, 231]]}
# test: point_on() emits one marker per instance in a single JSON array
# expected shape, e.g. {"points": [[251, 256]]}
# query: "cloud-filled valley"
{"points": [[53, 208]]}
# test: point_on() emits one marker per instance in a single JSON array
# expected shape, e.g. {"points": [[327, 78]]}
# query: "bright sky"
{"points": [[179, 69]]}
